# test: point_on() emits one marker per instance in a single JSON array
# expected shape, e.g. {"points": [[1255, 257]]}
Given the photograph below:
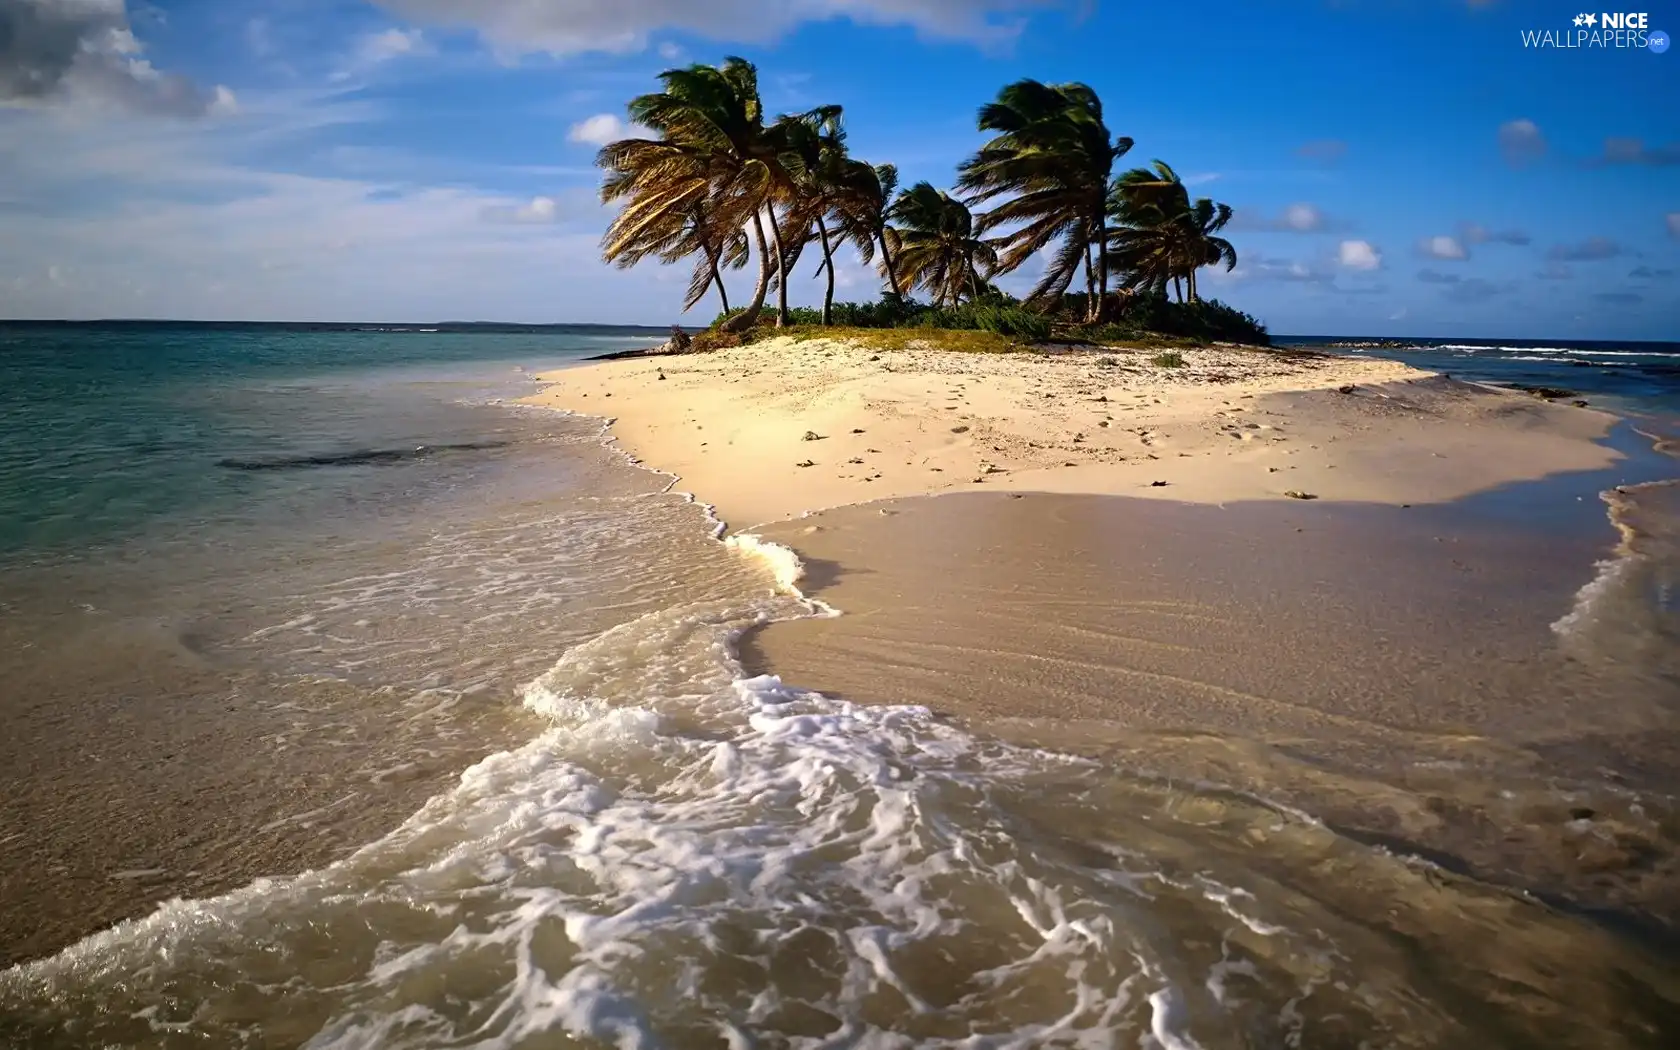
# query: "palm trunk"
{"points": [[781, 271], [887, 261], [1178, 289], [1191, 278], [973, 286], [717, 279], [1090, 285], [828, 261], [1102, 271], [748, 317]]}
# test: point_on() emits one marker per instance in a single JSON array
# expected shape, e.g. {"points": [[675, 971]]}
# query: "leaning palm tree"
{"points": [[940, 249], [672, 218], [1160, 237], [713, 145], [1052, 159], [865, 197], [816, 160], [1206, 219]]}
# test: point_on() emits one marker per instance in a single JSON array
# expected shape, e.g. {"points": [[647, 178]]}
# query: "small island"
{"points": [[718, 186]]}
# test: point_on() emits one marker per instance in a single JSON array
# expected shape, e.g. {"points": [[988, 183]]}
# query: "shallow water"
{"points": [[490, 698]]}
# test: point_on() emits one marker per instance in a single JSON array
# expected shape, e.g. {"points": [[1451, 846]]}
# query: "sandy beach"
{"points": [[1119, 563], [789, 426]]}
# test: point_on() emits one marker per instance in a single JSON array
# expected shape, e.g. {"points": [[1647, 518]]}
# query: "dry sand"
{"points": [[1230, 424]]}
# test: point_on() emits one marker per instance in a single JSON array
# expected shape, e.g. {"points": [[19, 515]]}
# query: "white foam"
{"points": [[1613, 575]]}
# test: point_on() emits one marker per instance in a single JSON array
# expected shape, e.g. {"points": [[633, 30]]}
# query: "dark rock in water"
{"points": [[359, 457], [1579, 403], [1544, 393]]}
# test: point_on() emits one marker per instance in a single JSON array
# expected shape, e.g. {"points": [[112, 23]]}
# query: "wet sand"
{"points": [[1393, 672]]}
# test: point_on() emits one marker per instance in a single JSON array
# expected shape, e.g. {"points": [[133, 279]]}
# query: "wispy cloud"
{"points": [[1634, 151], [1294, 218], [1461, 289], [569, 27], [1652, 273], [1323, 151], [1477, 234], [1521, 142], [1592, 249]]}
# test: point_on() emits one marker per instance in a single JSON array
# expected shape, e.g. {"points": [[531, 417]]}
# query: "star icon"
{"points": [[1592, 20], [1580, 20]]}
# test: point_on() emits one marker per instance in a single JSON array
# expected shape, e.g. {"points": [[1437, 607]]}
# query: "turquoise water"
{"points": [[110, 429]]}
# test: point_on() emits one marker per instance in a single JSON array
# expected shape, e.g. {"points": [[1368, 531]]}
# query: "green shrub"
{"points": [[1170, 359], [1205, 319], [989, 316], [715, 339]]}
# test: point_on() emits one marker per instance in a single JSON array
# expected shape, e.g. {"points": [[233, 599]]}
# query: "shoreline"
{"points": [[932, 602], [786, 427]]}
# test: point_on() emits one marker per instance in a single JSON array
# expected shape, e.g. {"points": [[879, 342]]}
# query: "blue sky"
{"points": [[1396, 167]]}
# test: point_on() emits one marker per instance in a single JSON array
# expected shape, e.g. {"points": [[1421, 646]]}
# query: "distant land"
{"points": [[334, 326], [1340, 341]]}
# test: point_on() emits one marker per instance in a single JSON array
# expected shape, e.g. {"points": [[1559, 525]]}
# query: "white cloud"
{"points": [[1443, 247], [223, 102], [1521, 142], [543, 210], [392, 43], [670, 52], [1359, 255], [566, 27], [84, 52], [1296, 218], [603, 128], [1302, 217]]}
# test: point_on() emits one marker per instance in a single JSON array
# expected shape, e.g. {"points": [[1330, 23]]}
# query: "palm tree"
{"points": [[817, 162], [1161, 238], [940, 249], [713, 146], [864, 199], [682, 234], [1053, 157]]}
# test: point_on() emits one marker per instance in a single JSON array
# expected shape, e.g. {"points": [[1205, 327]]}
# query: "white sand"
{"points": [[1230, 424]]}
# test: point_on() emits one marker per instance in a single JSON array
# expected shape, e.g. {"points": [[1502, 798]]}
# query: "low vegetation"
{"points": [[717, 184]]}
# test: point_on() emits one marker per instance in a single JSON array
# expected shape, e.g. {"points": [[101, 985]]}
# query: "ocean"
{"points": [[350, 704], [1643, 378]]}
